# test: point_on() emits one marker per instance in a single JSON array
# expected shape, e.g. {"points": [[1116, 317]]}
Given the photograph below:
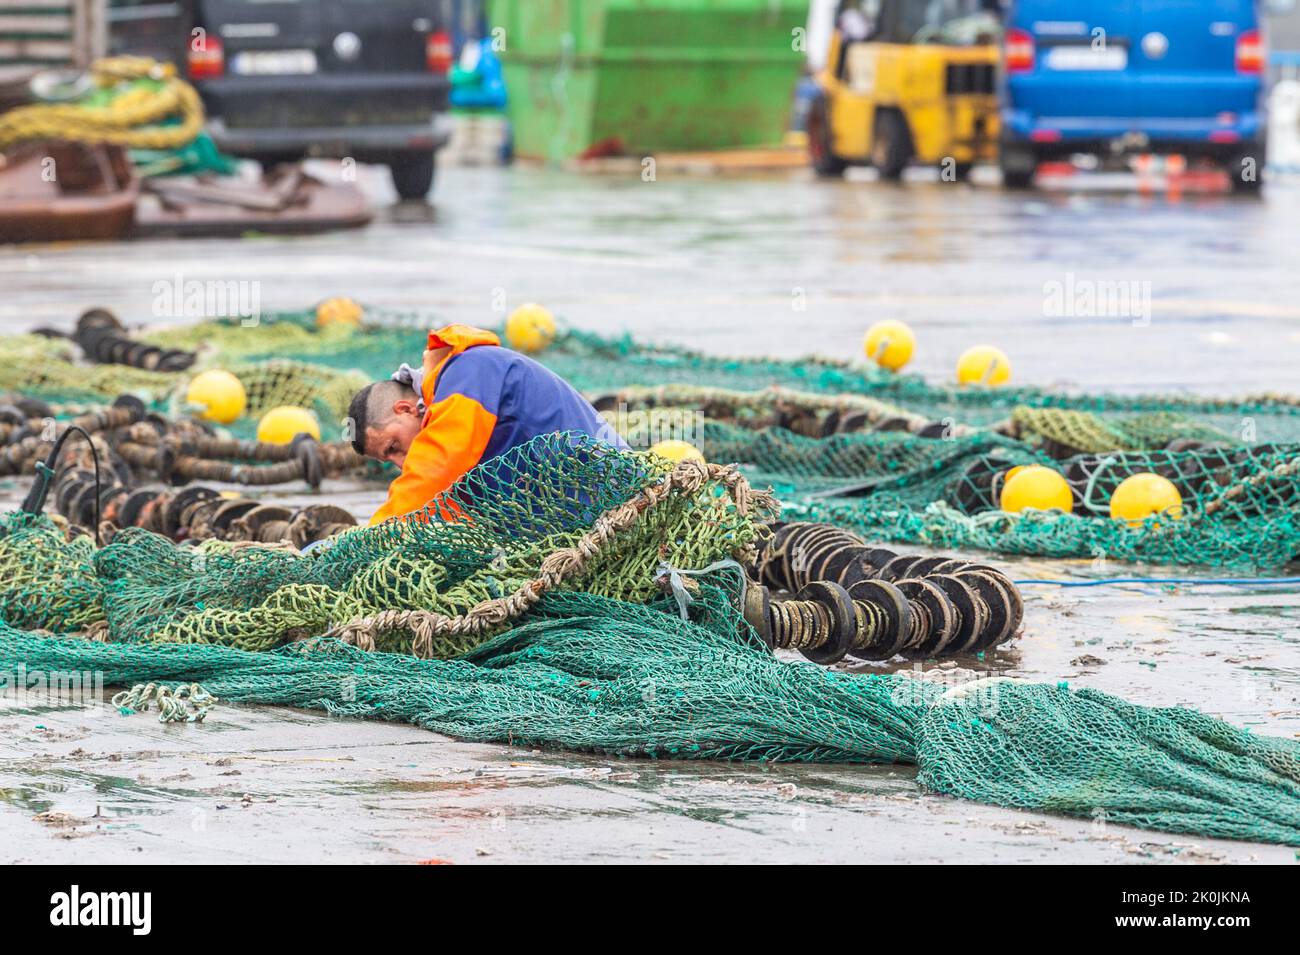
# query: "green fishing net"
{"points": [[476, 545], [588, 672], [921, 462], [526, 605]]}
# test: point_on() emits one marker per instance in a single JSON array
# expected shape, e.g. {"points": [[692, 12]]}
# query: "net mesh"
{"points": [[525, 603], [480, 542], [1231, 459], [592, 673]]}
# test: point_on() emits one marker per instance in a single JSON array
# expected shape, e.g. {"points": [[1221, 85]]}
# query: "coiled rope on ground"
{"points": [[138, 102]]}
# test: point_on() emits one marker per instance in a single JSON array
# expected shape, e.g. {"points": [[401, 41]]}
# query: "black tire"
{"points": [[1019, 163], [1017, 179], [891, 147], [412, 174], [824, 162]]}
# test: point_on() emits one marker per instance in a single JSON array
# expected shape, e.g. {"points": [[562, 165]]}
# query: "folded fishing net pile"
{"points": [[562, 511]]}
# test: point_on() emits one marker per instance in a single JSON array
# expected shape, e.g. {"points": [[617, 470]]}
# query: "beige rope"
{"points": [[1284, 470], [686, 478]]}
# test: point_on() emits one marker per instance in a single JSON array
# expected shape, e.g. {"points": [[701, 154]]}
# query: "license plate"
{"points": [[274, 62], [1087, 58]]}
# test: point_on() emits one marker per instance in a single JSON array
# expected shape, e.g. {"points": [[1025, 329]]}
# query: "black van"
{"points": [[286, 79]]}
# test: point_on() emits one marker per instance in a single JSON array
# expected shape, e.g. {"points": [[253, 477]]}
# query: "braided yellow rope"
{"points": [[775, 398], [686, 478], [130, 119]]}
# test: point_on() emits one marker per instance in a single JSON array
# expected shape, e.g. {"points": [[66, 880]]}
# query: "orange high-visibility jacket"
{"points": [[482, 400]]}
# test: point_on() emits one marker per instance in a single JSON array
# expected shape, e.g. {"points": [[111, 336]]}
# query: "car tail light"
{"points": [[1250, 52], [1018, 49], [437, 52], [207, 57]]}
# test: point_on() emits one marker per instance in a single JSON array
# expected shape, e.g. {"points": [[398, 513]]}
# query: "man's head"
{"points": [[385, 419]]}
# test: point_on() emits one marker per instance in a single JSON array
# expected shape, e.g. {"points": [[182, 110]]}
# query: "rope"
{"points": [[1205, 581], [132, 117], [184, 703], [562, 565]]}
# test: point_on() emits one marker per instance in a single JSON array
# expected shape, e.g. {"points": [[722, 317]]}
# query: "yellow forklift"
{"points": [[906, 81]]}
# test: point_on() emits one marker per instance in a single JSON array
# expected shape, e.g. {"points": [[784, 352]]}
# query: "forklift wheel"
{"points": [[824, 162], [891, 149]]}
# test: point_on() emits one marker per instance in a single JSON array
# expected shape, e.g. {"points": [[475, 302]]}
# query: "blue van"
{"points": [[1107, 77]]}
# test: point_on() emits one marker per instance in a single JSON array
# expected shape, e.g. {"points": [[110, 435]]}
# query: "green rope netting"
{"points": [[482, 540], [1084, 432], [1230, 458], [592, 673], [601, 661]]}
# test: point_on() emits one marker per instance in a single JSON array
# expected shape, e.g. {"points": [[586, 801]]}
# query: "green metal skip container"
{"points": [[640, 76]]}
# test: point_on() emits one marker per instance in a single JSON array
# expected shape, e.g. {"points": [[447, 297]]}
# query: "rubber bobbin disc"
{"points": [[854, 570], [1015, 608], [224, 517], [173, 516], [307, 450], [198, 519], [927, 566], [840, 563], [943, 615], [128, 514], [900, 568], [308, 523], [897, 622], [774, 568], [793, 555], [819, 552], [83, 506], [758, 612], [995, 598], [973, 616], [249, 526], [111, 501], [70, 487], [844, 621], [952, 567], [877, 557]]}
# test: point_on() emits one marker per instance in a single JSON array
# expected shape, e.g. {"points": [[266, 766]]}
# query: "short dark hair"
{"points": [[360, 420], [372, 407]]}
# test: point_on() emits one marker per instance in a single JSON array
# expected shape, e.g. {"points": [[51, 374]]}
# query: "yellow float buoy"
{"points": [[530, 328], [1141, 495], [281, 425], [675, 450], [889, 344], [219, 393], [983, 365], [1038, 487], [338, 311]]}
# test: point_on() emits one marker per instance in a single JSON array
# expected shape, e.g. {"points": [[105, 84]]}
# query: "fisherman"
{"points": [[470, 401]]}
